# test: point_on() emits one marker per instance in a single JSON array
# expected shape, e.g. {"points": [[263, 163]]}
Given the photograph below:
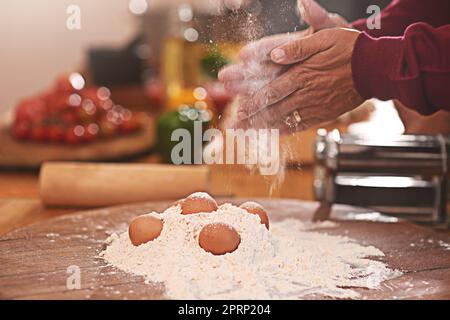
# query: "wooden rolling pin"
{"points": [[101, 184]]}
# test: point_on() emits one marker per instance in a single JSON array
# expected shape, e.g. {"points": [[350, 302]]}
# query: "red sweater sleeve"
{"points": [[414, 68], [400, 14]]}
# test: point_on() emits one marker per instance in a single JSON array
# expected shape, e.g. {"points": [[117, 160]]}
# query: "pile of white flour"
{"points": [[287, 262]]}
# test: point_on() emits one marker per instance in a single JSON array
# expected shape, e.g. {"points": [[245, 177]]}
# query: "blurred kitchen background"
{"points": [[137, 69], [37, 47]]}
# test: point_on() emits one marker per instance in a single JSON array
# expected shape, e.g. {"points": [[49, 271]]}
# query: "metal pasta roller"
{"points": [[405, 176]]}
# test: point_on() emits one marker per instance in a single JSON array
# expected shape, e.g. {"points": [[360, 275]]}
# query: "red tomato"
{"points": [[71, 138], [55, 133], [39, 133], [22, 113], [22, 130], [33, 110], [58, 101], [131, 125], [70, 117]]}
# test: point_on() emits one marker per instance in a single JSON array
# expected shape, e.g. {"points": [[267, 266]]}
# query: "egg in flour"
{"points": [[256, 208], [219, 238], [198, 202], [144, 228]]}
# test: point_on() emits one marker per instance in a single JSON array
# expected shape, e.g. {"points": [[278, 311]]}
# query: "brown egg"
{"points": [[256, 208], [219, 238], [144, 228], [198, 202]]}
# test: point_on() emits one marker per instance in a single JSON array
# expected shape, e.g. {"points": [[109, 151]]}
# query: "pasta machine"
{"points": [[404, 176]]}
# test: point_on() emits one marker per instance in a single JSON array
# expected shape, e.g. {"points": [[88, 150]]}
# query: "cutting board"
{"points": [[34, 260], [25, 154]]}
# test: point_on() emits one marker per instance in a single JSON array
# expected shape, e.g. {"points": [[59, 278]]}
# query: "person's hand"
{"points": [[256, 69], [318, 88]]}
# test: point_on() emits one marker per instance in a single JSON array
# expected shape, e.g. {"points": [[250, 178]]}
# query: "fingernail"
{"points": [[278, 55]]}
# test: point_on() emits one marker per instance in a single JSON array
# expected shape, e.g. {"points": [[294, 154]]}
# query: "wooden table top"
{"points": [[20, 207], [35, 259]]}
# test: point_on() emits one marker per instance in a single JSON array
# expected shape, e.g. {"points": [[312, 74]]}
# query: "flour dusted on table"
{"points": [[288, 262]]}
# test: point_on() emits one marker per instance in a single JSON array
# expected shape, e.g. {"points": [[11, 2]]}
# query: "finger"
{"points": [[231, 73], [234, 87], [315, 15], [285, 123], [302, 49], [259, 121], [298, 101], [280, 115], [277, 90], [253, 72], [242, 113], [244, 121], [262, 70], [339, 21], [260, 50], [245, 88], [318, 18], [241, 87], [288, 125], [284, 126]]}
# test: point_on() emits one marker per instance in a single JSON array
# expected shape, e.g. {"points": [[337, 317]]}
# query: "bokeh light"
{"points": [[200, 105], [93, 128], [74, 100], [138, 7], [185, 12], [192, 114], [78, 131], [77, 81], [200, 93], [103, 93], [89, 106], [191, 35]]}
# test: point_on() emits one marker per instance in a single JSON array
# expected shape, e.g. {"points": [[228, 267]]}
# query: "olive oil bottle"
{"points": [[180, 58]]}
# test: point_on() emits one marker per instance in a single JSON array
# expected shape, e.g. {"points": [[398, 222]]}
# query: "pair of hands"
{"points": [[308, 72]]}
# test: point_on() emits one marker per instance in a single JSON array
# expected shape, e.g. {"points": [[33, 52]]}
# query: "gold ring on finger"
{"points": [[297, 116]]}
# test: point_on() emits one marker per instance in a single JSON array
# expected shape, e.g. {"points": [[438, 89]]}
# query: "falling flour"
{"points": [[287, 262]]}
